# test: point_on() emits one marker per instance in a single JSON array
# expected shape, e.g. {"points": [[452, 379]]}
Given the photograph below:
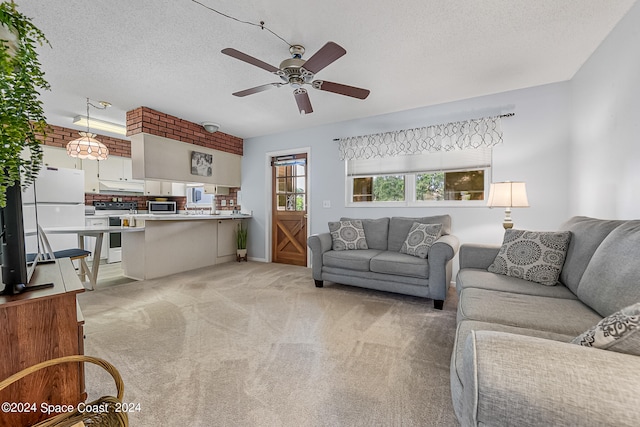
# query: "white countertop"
{"points": [[171, 217], [185, 217]]}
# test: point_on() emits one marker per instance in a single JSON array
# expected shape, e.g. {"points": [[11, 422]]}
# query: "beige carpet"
{"points": [[255, 344]]}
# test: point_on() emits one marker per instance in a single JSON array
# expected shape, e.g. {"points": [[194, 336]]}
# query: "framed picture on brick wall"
{"points": [[201, 163]]}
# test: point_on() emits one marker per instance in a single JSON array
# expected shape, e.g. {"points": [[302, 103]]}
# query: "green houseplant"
{"points": [[241, 242], [22, 120]]}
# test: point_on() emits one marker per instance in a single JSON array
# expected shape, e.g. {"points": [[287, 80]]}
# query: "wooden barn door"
{"points": [[289, 209]]}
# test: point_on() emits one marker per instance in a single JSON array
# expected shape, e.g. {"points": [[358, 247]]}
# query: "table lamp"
{"points": [[508, 195]]}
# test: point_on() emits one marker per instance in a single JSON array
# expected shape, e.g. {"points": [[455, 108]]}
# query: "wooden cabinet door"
{"points": [[227, 237]]}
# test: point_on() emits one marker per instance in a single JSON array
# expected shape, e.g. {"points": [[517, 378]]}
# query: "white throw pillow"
{"points": [[420, 239], [532, 255], [619, 332], [347, 235]]}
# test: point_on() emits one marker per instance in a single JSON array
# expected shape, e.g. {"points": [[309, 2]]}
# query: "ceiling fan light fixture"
{"points": [[297, 72], [210, 127]]}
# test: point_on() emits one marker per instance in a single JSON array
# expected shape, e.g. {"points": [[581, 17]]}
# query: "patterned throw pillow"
{"points": [[420, 239], [532, 255], [347, 235], [619, 332]]}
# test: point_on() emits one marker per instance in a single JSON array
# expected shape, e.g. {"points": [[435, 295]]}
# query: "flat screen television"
{"points": [[17, 265]]}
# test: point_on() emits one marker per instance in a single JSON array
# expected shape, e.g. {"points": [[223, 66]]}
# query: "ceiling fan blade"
{"points": [[325, 56], [302, 99], [257, 89], [249, 59], [341, 89]]}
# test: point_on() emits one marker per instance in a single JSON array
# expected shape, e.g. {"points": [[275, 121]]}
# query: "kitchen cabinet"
{"points": [[165, 188], [117, 168], [58, 158], [227, 239], [217, 190], [91, 176], [89, 242]]}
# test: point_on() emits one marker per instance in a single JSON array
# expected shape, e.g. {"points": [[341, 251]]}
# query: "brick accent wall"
{"points": [[59, 137], [144, 119]]}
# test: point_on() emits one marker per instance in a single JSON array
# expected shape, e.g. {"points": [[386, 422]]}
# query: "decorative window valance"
{"points": [[468, 134]]}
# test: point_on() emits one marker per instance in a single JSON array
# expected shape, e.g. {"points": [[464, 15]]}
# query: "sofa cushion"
{"points": [[619, 332], [559, 315], [420, 239], [399, 228], [339, 274], [388, 262], [463, 330], [354, 260], [376, 231], [479, 278], [347, 235], [532, 255], [610, 281], [586, 236]]}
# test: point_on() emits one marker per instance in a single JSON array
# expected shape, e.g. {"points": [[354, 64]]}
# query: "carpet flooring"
{"points": [[257, 344]]}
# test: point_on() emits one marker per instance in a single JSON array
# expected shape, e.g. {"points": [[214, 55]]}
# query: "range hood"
{"points": [[119, 187]]}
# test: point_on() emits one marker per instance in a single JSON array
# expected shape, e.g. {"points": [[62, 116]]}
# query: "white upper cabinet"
{"points": [[116, 168], [164, 188], [58, 158]]}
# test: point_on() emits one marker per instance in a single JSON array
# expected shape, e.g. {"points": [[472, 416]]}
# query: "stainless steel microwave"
{"points": [[162, 207]]}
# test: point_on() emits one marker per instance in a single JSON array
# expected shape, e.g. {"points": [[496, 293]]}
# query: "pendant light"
{"points": [[87, 147]]}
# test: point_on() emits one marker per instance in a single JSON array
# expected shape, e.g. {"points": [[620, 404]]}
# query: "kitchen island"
{"points": [[173, 243]]}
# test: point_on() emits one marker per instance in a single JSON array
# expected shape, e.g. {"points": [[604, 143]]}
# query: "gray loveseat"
{"points": [[513, 362], [382, 266]]}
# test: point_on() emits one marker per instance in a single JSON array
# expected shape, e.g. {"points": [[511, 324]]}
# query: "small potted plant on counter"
{"points": [[241, 242]]}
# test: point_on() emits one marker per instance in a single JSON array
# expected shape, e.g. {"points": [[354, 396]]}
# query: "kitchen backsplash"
{"points": [[181, 202]]}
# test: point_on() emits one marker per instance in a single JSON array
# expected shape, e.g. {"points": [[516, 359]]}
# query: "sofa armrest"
{"points": [[473, 255], [519, 380], [440, 255], [319, 244]]}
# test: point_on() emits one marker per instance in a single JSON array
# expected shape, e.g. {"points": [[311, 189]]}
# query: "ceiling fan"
{"points": [[297, 72]]}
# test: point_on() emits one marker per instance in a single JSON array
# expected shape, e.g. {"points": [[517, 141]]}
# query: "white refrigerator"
{"points": [[58, 195]]}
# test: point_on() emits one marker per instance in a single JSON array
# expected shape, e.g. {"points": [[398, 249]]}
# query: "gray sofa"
{"points": [[513, 363], [382, 266]]}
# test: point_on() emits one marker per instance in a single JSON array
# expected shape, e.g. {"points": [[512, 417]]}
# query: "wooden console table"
{"points": [[36, 326]]}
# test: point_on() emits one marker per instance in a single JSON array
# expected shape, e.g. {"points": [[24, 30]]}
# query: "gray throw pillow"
{"points": [[532, 255], [420, 239], [619, 332], [347, 235]]}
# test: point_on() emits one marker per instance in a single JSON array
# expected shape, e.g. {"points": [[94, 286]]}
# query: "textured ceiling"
{"points": [[165, 54]]}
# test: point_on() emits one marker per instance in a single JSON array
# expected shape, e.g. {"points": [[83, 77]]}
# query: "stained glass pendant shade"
{"points": [[87, 146]]}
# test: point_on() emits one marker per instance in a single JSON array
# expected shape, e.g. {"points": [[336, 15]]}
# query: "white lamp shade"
{"points": [[508, 195], [87, 147]]}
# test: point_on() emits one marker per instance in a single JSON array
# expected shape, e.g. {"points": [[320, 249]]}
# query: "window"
{"points": [[455, 178], [290, 176]]}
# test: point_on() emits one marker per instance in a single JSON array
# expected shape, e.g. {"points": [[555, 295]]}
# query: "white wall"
{"points": [[605, 174], [574, 143], [535, 150]]}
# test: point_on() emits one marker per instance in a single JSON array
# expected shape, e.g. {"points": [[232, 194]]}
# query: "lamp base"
{"points": [[507, 223]]}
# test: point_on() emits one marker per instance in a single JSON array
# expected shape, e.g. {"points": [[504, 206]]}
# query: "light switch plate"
{"points": [[326, 203], [223, 202]]}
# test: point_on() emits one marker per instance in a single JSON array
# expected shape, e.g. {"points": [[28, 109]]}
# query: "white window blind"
{"points": [[478, 158]]}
